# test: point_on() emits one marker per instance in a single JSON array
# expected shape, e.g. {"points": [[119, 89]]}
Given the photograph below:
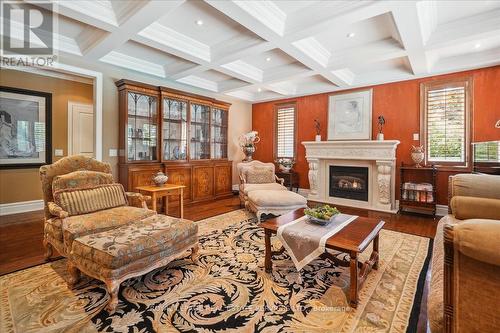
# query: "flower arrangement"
{"points": [[285, 164], [249, 139], [247, 143]]}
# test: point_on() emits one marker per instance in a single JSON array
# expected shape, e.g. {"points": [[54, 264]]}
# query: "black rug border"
{"points": [[417, 301]]}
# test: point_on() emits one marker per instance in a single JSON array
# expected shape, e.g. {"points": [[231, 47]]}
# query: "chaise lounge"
{"points": [[261, 193]]}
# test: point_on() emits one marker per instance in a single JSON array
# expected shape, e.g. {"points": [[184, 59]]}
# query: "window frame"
{"points": [[466, 82], [275, 136]]}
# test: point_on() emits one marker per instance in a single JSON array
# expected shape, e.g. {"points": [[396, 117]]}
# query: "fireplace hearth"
{"points": [[349, 182]]}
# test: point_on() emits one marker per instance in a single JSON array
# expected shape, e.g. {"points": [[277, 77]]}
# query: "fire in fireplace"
{"points": [[349, 182]]}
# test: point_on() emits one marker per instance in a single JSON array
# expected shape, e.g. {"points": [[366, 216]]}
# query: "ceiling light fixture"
{"points": [[477, 45], [268, 59], [199, 22], [259, 89], [351, 34]]}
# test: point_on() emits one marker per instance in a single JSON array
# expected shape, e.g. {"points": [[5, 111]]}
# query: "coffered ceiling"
{"points": [[264, 50]]}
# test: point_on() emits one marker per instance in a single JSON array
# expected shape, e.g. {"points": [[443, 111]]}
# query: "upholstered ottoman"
{"points": [[274, 202], [131, 250]]}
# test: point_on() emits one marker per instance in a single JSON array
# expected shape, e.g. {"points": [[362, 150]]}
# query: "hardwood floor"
{"points": [[21, 234]]}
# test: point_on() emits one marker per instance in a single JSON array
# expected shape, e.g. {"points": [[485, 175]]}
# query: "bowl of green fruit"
{"points": [[321, 214]]}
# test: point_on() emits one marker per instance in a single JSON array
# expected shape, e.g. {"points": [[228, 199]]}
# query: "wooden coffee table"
{"points": [[352, 239]]}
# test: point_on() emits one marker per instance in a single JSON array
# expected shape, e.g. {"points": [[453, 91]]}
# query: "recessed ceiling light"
{"points": [[477, 45], [268, 59], [351, 34], [259, 89], [199, 22]]}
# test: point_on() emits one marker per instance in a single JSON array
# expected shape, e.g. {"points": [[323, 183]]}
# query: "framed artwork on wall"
{"points": [[25, 128], [350, 116]]}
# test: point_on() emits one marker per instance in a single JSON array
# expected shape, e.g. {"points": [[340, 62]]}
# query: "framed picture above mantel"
{"points": [[350, 115], [25, 128]]}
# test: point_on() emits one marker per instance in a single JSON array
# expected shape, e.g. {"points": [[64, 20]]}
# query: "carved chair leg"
{"points": [[113, 288], [48, 249], [195, 253], [74, 274]]}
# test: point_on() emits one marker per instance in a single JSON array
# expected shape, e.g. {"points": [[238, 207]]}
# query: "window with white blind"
{"points": [[285, 131], [446, 122]]}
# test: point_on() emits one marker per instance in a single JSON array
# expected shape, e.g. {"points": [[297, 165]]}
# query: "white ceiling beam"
{"points": [[222, 54], [195, 70], [246, 18], [333, 16], [408, 25], [369, 53], [478, 26], [486, 58], [137, 21]]}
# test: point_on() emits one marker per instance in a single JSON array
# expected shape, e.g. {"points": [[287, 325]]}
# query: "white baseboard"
{"points": [[20, 207], [441, 210], [303, 192]]}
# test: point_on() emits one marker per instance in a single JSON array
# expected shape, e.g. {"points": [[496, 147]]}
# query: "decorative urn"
{"points": [[417, 155], [248, 150], [159, 178]]}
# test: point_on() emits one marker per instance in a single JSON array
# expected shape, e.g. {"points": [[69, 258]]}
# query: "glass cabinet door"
{"points": [[174, 129], [199, 148], [219, 133], [141, 127]]}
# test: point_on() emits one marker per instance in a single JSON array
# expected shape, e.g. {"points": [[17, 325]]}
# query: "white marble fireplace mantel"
{"points": [[378, 156]]}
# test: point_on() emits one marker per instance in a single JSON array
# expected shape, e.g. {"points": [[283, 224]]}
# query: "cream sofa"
{"points": [[464, 294]]}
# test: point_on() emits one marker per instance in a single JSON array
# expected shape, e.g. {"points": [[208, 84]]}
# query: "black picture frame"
{"points": [[48, 127]]}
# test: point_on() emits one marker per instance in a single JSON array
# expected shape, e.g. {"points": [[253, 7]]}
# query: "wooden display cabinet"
{"points": [[182, 134]]}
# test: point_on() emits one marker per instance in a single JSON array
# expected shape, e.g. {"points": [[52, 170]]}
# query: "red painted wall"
{"points": [[399, 102]]}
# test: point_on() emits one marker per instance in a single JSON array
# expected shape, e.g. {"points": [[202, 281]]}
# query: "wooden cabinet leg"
{"points": [[165, 204], [113, 288], [267, 260], [353, 295], [181, 203], [74, 274], [375, 250], [48, 249], [195, 253], [153, 201]]}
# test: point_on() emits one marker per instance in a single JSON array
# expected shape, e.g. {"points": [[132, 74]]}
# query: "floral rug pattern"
{"points": [[226, 291]]}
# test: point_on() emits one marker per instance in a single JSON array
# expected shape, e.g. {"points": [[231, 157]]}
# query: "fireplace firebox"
{"points": [[349, 182]]}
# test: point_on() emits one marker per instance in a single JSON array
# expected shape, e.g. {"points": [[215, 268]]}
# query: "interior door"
{"points": [[80, 129]]}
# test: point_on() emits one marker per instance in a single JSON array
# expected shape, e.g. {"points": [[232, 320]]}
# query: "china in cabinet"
{"points": [[182, 134]]}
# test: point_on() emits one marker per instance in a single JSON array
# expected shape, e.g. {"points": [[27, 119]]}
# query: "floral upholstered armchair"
{"points": [[79, 172]]}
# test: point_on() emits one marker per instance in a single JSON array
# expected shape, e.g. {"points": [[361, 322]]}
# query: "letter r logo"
{"points": [[28, 30]]}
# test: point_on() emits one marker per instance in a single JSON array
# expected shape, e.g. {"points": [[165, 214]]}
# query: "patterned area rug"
{"points": [[226, 291]]}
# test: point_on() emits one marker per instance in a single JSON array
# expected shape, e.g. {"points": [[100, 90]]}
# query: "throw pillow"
{"points": [[81, 179], [259, 176], [88, 200]]}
